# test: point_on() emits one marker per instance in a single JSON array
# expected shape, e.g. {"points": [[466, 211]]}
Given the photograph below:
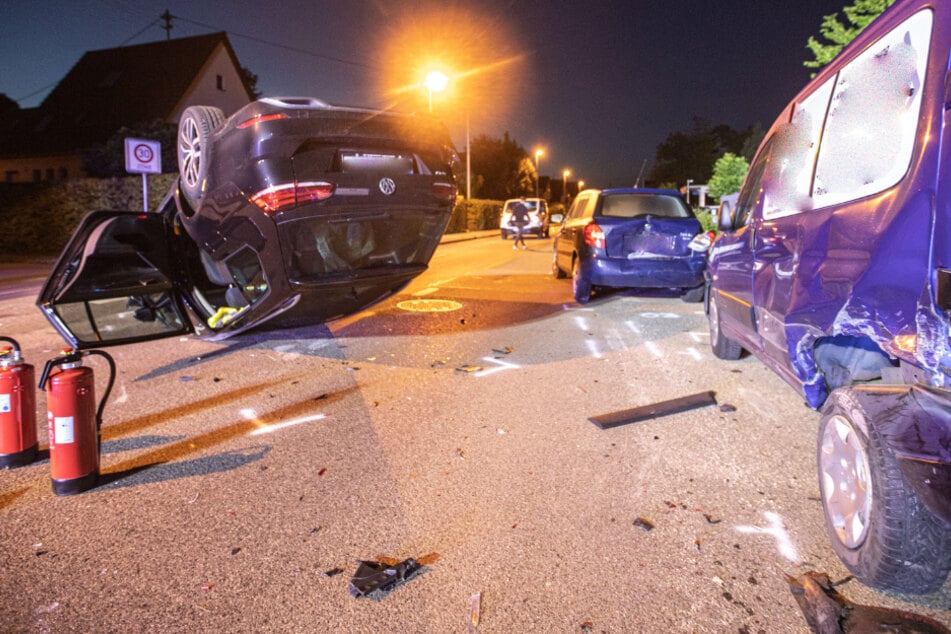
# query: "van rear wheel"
{"points": [[878, 526], [723, 347]]}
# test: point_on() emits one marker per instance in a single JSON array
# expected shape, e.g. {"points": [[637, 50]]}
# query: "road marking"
{"points": [[265, 428], [699, 337], [633, 327], [653, 349], [426, 291], [692, 352], [615, 341], [503, 365], [582, 323], [593, 348], [777, 530]]}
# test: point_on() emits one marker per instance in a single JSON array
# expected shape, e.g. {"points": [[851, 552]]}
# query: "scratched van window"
{"points": [[873, 116]]}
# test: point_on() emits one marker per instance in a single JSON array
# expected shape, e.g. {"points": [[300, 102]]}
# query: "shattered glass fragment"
{"points": [[644, 523], [375, 579]]}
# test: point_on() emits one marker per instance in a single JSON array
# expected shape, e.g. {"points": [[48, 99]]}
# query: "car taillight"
{"points": [[444, 191], [261, 119], [278, 198], [702, 241], [594, 236]]}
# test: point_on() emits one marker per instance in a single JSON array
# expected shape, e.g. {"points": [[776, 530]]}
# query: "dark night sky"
{"points": [[597, 83]]}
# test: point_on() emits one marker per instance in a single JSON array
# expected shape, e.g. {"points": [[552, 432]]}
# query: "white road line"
{"points": [[633, 327], [503, 365], [653, 349], [593, 348], [776, 530]]}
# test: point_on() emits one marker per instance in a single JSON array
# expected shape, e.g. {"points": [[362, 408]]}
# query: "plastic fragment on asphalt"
{"points": [[828, 612], [333, 572], [375, 579], [475, 612], [655, 410], [728, 407], [711, 519], [505, 350], [646, 524], [186, 378], [466, 369]]}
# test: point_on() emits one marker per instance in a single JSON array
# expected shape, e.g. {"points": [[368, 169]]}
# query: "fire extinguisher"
{"points": [[73, 420], [18, 442]]}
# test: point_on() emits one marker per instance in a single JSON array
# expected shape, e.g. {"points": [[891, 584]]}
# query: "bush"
{"points": [[475, 215], [39, 218]]}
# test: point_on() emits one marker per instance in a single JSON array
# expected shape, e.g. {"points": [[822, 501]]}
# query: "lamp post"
{"points": [[688, 190], [538, 176], [580, 185], [564, 186]]}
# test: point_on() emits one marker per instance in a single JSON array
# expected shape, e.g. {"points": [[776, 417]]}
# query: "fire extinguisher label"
{"points": [[63, 433], [4, 403]]}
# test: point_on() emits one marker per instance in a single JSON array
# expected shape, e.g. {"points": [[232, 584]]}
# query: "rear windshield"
{"points": [[633, 205]]}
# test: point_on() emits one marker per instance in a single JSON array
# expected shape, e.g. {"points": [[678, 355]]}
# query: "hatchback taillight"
{"points": [[445, 192], [278, 198], [594, 236]]}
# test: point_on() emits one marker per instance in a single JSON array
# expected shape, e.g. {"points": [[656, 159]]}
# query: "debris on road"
{"points": [[333, 572], [828, 612], [375, 579], [644, 523], [505, 350], [727, 408], [475, 612], [655, 410], [466, 369]]}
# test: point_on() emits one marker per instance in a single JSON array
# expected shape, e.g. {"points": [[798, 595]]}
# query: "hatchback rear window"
{"points": [[634, 205]]}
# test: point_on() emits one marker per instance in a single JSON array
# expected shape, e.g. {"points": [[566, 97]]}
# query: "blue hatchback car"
{"points": [[631, 238], [835, 270]]}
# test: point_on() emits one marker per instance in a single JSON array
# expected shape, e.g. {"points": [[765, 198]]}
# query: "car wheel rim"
{"points": [[189, 150], [845, 481]]}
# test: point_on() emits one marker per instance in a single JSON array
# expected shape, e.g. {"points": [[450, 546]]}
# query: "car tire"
{"points": [[722, 346], [194, 150], [694, 295], [579, 285], [878, 526], [555, 269]]}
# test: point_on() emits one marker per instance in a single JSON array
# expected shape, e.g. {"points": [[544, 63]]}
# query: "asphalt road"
{"points": [[236, 474]]}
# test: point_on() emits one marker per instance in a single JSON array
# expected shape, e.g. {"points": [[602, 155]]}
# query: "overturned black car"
{"points": [[289, 212]]}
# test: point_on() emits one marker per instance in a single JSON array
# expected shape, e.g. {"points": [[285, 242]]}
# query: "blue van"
{"points": [[834, 269]]}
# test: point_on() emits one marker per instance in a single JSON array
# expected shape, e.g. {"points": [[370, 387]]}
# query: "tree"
{"points": [[859, 14], [501, 168], [728, 174], [251, 81], [692, 154]]}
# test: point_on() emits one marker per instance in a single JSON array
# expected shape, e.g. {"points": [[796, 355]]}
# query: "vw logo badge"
{"points": [[387, 186]]}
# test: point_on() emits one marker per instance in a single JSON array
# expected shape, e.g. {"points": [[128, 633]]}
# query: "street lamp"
{"points": [[538, 177], [564, 186], [580, 185], [689, 180], [436, 82]]}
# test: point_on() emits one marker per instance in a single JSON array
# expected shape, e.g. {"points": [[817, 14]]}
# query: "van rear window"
{"points": [[633, 205]]}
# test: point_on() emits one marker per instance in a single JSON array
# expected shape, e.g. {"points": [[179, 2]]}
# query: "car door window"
{"points": [[873, 117], [752, 189]]}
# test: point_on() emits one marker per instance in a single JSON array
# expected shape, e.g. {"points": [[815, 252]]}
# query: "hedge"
{"points": [[37, 219]]}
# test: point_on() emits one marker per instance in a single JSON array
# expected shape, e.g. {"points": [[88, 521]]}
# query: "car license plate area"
{"points": [[649, 244]]}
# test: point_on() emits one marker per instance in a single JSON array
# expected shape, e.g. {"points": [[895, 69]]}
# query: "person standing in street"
{"points": [[518, 220]]}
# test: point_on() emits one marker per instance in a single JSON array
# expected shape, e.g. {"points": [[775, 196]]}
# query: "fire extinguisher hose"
{"points": [[112, 380]]}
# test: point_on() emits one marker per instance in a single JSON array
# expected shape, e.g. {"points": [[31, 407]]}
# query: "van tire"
{"points": [[694, 295], [722, 346], [894, 542]]}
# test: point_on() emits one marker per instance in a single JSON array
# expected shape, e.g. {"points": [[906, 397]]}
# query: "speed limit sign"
{"points": [[143, 157]]}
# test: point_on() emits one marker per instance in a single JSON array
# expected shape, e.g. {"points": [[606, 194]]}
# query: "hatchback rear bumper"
{"points": [[644, 272]]}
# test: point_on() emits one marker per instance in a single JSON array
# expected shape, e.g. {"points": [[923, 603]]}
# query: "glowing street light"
{"points": [[564, 186], [539, 153], [580, 185], [435, 82]]}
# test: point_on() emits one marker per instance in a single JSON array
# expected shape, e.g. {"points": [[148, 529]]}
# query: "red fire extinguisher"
{"points": [[18, 443], [73, 420]]}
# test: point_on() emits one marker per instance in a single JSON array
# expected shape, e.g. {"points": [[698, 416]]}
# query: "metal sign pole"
{"points": [[145, 192]]}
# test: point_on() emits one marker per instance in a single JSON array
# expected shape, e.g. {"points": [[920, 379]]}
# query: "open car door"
{"points": [[115, 283]]}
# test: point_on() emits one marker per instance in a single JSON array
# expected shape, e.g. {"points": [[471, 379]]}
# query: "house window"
{"points": [[220, 81]]}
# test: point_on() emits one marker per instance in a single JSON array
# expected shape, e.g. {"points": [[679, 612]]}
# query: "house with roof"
{"points": [[114, 88]]}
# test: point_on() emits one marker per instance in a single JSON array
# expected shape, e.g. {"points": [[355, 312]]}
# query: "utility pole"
{"points": [[168, 24]]}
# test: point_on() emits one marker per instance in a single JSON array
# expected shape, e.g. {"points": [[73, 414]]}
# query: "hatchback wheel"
{"points": [[877, 525], [555, 269], [194, 151], [723, 347], [579, 284]]}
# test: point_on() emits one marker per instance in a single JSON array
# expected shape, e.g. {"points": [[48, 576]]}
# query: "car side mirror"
{"points": [[557, 219], [725, 217]]}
